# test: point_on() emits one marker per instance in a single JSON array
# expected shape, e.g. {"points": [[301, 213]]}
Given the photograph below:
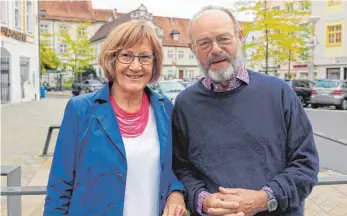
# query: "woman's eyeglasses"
{"points": [[127, 58]]}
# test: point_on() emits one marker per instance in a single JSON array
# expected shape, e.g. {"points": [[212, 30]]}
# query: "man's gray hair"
{"points": [[211, 7]]}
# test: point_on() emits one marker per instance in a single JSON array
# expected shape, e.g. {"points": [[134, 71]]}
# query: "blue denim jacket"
{"points": [[89, 167]]}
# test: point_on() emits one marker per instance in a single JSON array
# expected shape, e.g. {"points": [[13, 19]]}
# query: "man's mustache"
{"points": [[218, 58]]}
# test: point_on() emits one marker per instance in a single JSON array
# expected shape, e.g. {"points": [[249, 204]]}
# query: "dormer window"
{"points": [[175, 35]]}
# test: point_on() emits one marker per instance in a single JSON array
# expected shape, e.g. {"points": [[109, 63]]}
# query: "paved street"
{"points": [[24, 128], [329, 122], [23, 132]]}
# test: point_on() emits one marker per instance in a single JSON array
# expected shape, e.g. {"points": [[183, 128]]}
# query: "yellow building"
{"points": [[331, 50]]}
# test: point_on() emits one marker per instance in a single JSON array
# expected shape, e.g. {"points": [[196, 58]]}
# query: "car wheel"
{"points": [[306, 104], [343, 105], [314, 106]]}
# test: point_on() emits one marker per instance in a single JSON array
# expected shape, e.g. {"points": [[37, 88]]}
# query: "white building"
{"points": [[68, 15], [19, 51]]}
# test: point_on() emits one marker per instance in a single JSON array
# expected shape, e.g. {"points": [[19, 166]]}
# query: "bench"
{"points": [[48, 138]]}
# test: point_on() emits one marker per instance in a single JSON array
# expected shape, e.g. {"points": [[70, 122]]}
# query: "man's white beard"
{"points": [[224, 74]]}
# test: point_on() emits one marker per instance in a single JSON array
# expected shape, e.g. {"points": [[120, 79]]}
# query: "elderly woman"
{"points": [[113, 153]]}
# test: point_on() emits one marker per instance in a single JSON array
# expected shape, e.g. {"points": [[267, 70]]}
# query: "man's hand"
{"points": [[250, 201], [175, 205], [216, 204]]}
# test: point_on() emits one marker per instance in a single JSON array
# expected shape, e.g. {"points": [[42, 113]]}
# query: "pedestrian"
{"points": [[114, 149], [242, 141]]}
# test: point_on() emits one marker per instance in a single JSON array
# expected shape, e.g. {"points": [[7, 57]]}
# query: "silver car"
{"points": [[330, 93], [169, 88]]}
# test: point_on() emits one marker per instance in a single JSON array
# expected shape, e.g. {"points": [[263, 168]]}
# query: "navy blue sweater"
{"points": [[255, 135]]}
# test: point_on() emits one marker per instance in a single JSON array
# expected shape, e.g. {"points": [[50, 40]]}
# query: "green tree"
{"points": [[48, 58], [286, 31], [79, 53]]}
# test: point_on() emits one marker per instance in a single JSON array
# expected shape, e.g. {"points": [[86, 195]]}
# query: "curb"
{"points": [[334, 139]]}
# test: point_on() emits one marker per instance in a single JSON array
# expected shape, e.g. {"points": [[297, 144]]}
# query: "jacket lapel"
{"points": [[103, 111], [157, 102]]}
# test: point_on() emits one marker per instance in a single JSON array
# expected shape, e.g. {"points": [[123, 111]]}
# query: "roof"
{"points": [[171, 25], [167, 24], [105, 29], [74, 11]]}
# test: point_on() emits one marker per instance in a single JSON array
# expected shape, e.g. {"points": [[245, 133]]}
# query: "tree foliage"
{"points": [[287, 31], [79, 52], [48, 58]]}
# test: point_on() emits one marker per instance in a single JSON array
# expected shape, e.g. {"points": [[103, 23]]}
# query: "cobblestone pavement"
{"points": [[24, 129]]}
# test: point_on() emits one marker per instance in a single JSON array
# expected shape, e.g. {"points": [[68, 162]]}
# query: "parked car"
{"points": [[303, 89], [86, 86], [169, 88], [330, 93]]}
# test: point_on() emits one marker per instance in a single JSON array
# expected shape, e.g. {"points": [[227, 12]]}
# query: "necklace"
{"points": [[132, 125]]}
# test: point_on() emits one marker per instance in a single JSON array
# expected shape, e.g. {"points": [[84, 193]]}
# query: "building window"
{"points": [[304, 75], [191, 55], [180, 54], [63, 27], [44, 28], [29, 16], [304, 55], [3, 11], [170, 54], [170, 74], [290, 7], [334, 35], [333, 73], [18, 14], [82, 32], [304, 6], [191, 74], [63, 48], [334, 2]]}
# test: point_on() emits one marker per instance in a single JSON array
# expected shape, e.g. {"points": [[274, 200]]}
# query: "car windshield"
{"points": [[327, 84], [171, 86]]}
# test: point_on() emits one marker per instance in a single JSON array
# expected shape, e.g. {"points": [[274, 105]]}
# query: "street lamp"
{"points": [[313, 20]]}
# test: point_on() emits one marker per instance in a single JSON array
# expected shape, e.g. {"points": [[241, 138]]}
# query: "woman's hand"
{"points": [[175, 205]]}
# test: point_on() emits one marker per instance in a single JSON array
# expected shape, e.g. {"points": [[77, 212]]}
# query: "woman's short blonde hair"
{"points": [[125, 36]]}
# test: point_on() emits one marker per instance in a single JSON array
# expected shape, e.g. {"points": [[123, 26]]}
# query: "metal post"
{"points": [[14, 203], [48, 138]]}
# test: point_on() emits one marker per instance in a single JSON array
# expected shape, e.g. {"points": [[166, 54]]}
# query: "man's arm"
{"points": [[295, 183], [184, 170]]}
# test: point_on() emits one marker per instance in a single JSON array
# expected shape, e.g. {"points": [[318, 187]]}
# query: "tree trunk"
{"points": [[267, 43]]}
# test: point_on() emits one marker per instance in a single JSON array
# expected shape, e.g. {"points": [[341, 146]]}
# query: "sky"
{"points": [[167, 8]]}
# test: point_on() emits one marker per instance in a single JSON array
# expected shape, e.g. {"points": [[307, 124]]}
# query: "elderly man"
{"points": [[243, 144]]}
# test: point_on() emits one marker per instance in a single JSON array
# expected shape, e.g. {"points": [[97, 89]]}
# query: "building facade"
{"points": [[68, 15], [331, 32], [19, 51], [179, 61]]}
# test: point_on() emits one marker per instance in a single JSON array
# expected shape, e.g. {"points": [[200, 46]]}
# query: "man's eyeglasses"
{"points": [[127, 58], [206, 45]]}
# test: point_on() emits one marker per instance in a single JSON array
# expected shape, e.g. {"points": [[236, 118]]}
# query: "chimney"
{"points": [[114, 11]]}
